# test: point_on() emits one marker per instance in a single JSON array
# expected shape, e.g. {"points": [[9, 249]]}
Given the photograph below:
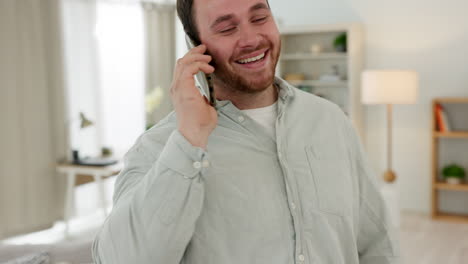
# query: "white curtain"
{"points": [[120, 38], [82, 74], [105, 73], [31, 114], [160, 58]]}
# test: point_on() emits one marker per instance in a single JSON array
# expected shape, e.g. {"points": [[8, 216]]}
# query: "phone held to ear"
{"points": [[203, 81]]}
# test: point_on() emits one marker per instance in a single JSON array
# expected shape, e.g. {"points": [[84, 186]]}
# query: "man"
{"points": [[272, 175]]}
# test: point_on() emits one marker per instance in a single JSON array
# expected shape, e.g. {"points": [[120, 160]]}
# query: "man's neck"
{"points": [[244, 100]]}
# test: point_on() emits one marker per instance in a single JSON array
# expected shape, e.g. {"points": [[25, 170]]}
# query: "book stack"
{"points": [[442, 122]]}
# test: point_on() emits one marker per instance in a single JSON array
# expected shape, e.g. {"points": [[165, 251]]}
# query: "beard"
{"points": [[227, 77]]}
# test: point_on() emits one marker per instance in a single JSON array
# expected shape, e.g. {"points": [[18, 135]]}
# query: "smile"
{"points": [[253, 59]]}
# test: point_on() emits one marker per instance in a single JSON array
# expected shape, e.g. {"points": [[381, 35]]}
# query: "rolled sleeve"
{"points": [[178, 146]]}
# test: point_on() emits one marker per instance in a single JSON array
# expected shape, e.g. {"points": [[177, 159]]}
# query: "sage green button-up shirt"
{"points": [[306, 197]]}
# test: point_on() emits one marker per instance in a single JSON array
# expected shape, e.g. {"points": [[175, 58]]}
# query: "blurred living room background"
{"points": [[80, 80]]}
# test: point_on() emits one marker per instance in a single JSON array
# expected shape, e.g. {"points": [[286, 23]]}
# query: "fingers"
{"points": [[196, 53], [193, 62], [191, 58], [189, 65], [195, 67], [200, 49]]}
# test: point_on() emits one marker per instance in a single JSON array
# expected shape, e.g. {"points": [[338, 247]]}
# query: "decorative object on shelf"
{"points": [[340, 43], [305, 88], [315, 48], [294, 78], [453, 174], [442, 122], [329, 78], [106, 152], [334, 76], [389, 87]]}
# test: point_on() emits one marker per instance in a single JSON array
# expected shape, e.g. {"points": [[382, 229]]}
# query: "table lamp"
{"points": [[389, 87], [84, 122]]}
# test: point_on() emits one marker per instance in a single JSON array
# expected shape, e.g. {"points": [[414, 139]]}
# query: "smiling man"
{"points": [[272, 175]]}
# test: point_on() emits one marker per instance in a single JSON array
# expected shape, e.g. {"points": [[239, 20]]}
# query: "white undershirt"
{"points": [[266, 117]]}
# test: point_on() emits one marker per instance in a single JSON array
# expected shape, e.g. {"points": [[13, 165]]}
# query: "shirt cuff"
{"points": [[181, 156]]}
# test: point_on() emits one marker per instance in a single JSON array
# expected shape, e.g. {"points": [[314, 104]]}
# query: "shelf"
{"points": [[452, 187], [454, 100], [311, 56], [454, 134], [318, 83], [451, 217], [437, 184]]}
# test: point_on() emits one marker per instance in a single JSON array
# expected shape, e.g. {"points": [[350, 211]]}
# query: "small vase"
{"points": [[453, 180], [340, 48]]}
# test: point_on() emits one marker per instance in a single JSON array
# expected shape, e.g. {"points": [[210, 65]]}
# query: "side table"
{"points": [[98, 172]]}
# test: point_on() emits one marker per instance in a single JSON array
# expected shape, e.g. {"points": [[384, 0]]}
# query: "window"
{"points": [[104, 52]]}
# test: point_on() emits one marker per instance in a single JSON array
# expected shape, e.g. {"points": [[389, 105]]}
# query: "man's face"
{"points": [[243, 39]]}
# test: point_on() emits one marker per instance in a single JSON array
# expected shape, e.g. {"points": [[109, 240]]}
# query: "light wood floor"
{"points": [[425, 241]]}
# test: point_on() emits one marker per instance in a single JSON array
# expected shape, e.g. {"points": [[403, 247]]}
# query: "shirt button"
{"points": [[197, 164], [279, 155], [301, 258], [206, 164], [241, 119], [293, 206]]}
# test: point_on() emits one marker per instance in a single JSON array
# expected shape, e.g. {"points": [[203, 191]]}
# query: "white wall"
{"points": [[428, 36]]}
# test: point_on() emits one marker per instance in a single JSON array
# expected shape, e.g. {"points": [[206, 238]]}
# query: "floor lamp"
{"points": [[389, 87]]}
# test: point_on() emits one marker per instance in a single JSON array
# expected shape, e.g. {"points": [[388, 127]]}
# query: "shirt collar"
{"points": [[285, 89]]}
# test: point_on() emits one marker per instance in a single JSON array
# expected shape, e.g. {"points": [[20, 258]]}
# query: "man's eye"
{"points": [[227, 30], [258, 20]]}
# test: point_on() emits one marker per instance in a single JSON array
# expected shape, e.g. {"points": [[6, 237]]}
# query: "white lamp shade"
{"points": [[389, 87]]}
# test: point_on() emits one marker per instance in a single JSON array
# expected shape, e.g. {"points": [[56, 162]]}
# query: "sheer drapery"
{"points": [[120, 37], [105, 73], [160, 35], [31, 115], [82, 73]]}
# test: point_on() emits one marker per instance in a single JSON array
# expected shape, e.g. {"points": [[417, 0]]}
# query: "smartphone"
{"points": [[203, 81]]}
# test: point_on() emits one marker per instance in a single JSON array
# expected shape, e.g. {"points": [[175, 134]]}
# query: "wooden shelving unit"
{"points": [[298, 58], [451, 134], [437, 184]]}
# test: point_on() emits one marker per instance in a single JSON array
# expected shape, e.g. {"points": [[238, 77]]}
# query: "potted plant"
{"points": [[453, 174], [340, 43]]}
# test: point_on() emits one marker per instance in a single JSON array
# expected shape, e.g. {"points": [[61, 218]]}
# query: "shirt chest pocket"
{"points": [[330, 173]]}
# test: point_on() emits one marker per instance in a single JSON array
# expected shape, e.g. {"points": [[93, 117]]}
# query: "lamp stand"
{"points": [[389, 175]]}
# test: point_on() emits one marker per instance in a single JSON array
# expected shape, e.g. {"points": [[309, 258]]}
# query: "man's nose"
{"points": [[249, 37]]}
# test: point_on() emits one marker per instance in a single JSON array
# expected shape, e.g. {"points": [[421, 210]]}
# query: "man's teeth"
{"points": [[259, 57]]}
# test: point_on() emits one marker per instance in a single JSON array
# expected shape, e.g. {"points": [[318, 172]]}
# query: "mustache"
{"points": [[250, 50]]}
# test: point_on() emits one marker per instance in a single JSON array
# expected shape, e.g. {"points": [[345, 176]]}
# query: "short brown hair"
{"points": [[186, 15]]}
